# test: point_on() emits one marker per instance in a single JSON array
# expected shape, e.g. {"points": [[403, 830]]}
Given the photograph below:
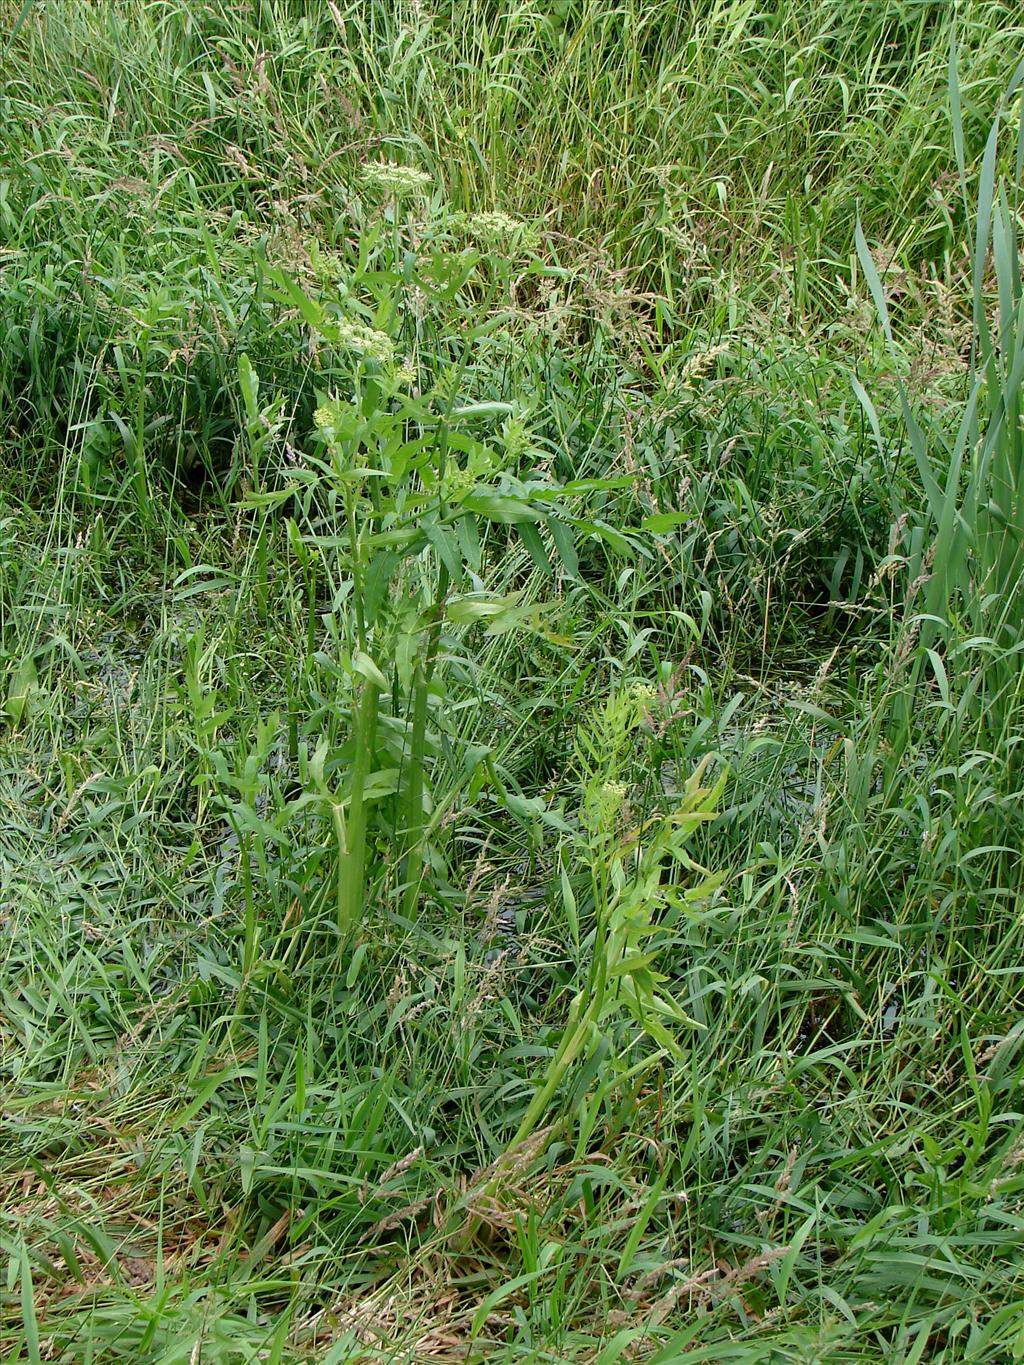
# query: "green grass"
{"points": [[378, 583]]}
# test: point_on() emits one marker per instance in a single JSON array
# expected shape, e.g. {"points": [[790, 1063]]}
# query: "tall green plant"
{"points": [[965, 566], [402, 498]]}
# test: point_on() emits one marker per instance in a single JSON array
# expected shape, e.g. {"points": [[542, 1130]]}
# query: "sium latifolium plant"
{"points": [[410, 547], [402, 495]]}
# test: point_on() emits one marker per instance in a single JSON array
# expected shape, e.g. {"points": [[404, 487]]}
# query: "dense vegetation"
{"points": [[511, 527]]}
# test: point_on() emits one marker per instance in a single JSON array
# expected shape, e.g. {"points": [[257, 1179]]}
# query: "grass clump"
{"points": [[510, 638]]}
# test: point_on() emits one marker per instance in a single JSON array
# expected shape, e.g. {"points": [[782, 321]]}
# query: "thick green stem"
{"points": [[357, 576], [413, 834], [410, 873], [352, 832]]}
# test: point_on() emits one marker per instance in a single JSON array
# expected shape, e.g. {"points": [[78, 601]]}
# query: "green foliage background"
{"points": [[509, 802]]}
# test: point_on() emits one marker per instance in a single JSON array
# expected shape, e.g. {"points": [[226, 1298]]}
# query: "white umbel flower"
{"points": [[400, 182], [365, 341], [495, 228]]}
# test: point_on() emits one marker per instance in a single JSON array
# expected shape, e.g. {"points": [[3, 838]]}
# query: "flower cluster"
{"points": [[495, 228], [481, 463], [397, 181], [365, 341], [515, 437], [604, 805], [643, 693], [457, 482], [405, 374]]}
